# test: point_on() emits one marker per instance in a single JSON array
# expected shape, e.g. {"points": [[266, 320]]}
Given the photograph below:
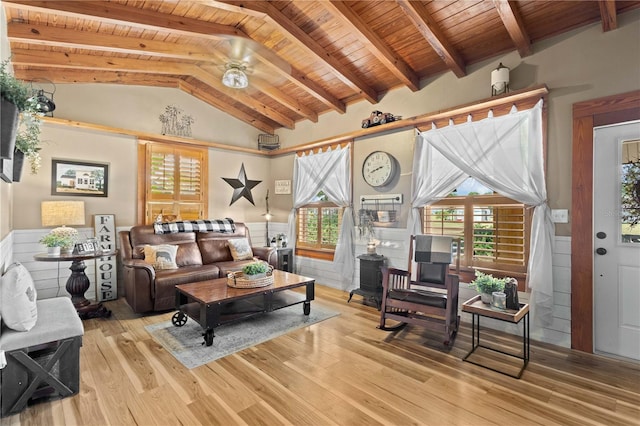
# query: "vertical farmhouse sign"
{"points": [[106, 267]]}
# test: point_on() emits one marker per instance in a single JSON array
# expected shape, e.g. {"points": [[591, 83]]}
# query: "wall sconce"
{"points": [[44, 99], [61, 213], [500, 80]]}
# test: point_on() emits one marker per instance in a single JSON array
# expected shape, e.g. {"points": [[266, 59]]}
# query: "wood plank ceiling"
{"points": [[303, 58]]}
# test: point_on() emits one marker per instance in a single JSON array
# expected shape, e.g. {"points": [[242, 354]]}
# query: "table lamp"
{"points": [[61, 213]]}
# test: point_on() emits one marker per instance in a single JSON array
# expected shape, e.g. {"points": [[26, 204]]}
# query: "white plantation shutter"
{"points": [[494, 230], [176, 185], [162, 174]]}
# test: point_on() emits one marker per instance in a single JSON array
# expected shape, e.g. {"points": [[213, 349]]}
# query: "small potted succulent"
{"points": [[486, 284], [256, 270], [54, 243]]}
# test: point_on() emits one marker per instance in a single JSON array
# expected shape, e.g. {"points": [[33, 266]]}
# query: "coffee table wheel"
{"points": [[307, 308], [208, 337], [179, 319]]}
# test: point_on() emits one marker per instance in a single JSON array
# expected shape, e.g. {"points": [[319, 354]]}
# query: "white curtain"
{"points": [[329, 172], [433, 178], [506, 155]]}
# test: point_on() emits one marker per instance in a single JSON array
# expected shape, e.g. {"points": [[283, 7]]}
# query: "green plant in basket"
{"points": [[487, 283], [255, 268]]}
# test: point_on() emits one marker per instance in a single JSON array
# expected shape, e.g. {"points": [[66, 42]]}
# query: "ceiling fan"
{"points": [[239, 58], [235, 76]]}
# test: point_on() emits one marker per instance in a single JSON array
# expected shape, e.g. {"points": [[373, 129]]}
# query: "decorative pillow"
{"points": [[18, 301], [240, 249], [162, 256]]}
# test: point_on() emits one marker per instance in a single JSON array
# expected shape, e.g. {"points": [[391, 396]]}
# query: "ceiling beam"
{"points": [[309, 45], [119, 14], [608, 14], [71, 76], [284, 99], [430, 30], [242, 96], [374, 44], [512, 20], [45, 35], [61, 37], [215, 101], [93, 62], [126, 15], [41, 58]]}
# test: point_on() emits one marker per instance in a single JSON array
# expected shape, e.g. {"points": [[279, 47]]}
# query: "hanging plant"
{"points": [[28, 137], [20, 94]]}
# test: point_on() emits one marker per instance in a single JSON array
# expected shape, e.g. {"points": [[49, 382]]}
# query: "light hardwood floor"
{"points": [[341, 371]]}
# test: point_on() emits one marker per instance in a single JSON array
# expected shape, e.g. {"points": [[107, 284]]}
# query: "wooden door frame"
{"points": [[586, 116]]}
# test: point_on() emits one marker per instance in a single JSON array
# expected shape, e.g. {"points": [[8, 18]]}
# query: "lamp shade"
{"points": [[57, 213], [500, 80]]}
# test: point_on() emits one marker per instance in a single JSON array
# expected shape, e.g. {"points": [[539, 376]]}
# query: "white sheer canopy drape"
{"points": [[506, 155], [329, 172]]}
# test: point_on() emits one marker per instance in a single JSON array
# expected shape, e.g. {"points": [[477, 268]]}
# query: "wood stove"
{"points": [[370, 278]]}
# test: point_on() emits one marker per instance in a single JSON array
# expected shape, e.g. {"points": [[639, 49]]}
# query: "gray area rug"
{"points": [[185, 343]]}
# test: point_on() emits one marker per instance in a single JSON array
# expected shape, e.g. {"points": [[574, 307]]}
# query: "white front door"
{"points": [[616, 205]]}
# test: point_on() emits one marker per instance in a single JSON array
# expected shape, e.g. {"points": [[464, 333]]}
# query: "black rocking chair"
{"points": [[431, 300]]}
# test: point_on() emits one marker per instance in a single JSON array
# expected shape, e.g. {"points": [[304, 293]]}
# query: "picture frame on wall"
{"points": [[79, 178], [283, 186]]}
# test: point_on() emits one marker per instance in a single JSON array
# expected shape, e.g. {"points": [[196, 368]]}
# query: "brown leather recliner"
{"points": [[201, 256]]}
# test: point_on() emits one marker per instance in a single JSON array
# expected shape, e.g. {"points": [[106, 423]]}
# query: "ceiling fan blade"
{"points": [[254, 54]]}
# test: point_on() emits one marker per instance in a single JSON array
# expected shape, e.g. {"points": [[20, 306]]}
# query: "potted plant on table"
{"points": [[256, 270], [54, 242], [486, 284], [21, 119]]}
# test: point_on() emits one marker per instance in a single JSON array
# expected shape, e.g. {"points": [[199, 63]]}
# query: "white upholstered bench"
{"points": [[44, 362]]}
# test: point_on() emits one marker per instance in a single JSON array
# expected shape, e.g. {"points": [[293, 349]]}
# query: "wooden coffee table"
{"points": [[212, 303]]}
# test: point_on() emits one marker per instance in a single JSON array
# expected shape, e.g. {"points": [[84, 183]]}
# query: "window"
{"points": [[318, 225], [175, 183], [494, 230]]}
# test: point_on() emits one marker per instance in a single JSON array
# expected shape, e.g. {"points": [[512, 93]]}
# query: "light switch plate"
{"points": [[560, 215]]}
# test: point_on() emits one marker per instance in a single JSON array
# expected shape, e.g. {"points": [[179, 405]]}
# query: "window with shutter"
{"points": [[175, 183], [494, 230], [318, 225]]}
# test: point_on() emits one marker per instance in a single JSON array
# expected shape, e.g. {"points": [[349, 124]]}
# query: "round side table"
{"points": [[78, 283]]}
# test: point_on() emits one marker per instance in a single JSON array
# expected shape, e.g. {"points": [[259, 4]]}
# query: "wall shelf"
{"points": [[382, 209]]}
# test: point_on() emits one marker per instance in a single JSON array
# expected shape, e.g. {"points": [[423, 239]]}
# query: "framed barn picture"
{"points": [[79, 178]]}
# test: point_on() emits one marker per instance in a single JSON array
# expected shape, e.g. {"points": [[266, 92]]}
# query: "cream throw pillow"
{"points": [[18, 298], [162, 256], [240, 249]]}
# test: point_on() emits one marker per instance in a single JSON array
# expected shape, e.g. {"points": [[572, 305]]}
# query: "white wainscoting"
{"points": [[50, 277], [6, 252], [395, 249]]}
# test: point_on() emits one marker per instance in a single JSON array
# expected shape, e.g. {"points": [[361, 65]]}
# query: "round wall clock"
{"points": [[379, 168]]}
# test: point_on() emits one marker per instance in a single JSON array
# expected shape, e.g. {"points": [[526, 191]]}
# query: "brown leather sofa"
{"points": [[201, 256]]}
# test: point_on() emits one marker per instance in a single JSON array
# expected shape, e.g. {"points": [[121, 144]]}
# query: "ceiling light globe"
{"points": [[235, 78]]}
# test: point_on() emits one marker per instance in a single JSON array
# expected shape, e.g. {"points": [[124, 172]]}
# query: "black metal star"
{"points": [[242, 186]]}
